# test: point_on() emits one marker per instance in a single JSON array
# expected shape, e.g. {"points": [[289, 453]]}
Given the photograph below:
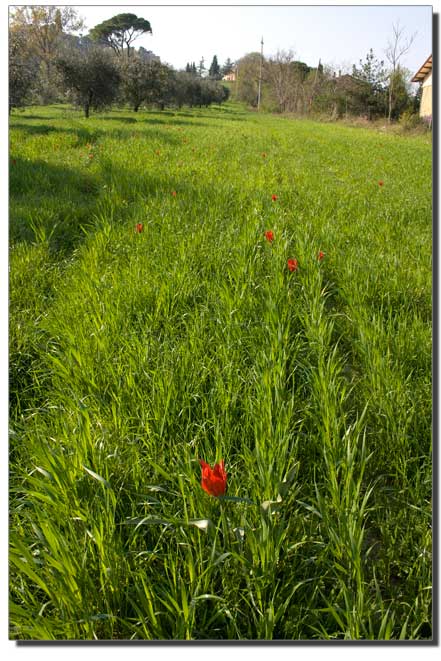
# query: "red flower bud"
{"points": [[274, 198], [214, 480], [139, 227], [269, 236], [293, 265], [320, 255]]}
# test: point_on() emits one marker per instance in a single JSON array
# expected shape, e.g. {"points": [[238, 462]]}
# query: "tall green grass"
{"points": [[132, 355]]}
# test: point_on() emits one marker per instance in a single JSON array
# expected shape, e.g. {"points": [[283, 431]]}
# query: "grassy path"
{"points": [[135, 353]]}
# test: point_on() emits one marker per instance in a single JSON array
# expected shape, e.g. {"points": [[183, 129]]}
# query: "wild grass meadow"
{"points": [[155, 321]]}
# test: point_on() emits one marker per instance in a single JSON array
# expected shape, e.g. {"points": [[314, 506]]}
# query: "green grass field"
{"points": [[135, 354]]}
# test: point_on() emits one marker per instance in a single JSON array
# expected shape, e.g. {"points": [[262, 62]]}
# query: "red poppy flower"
{"points": [[174, 193], [274, 198], [320, 255], [139, 227], [381, 183], [293, 265], [269, 236], [214, 480]]}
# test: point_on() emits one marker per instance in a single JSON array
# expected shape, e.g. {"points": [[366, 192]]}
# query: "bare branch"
{"points": [[397, 46]]}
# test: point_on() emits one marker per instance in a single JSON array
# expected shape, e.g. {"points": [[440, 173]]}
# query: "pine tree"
{"points": [[373, 91], [227, 68], [201, 67], [214, 70]]}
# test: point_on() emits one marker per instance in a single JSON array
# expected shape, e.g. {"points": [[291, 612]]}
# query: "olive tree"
{"points": [[90, 76], [142, 82]]}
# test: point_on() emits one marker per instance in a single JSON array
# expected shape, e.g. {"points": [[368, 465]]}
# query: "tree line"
{"points": [[48, 63], [215, 71], [374, 88]]}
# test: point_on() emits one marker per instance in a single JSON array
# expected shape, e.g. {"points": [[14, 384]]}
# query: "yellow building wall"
{"points": [[426, 98]]}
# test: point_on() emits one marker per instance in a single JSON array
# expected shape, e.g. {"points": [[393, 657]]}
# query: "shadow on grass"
{"points": [[35, 129], [50, 202], [16, 113], [171, 122], [231, 111], [141, 118], [218, 115], [124, 120], [87, 134], [25, 115]]}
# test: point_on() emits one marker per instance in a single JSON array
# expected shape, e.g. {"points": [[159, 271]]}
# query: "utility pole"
{"points": [[260, 75]]}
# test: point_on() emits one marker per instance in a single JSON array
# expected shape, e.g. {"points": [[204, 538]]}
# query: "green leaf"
{"points": [[286, 484], [236, 499], [96, 476], [205, 597], [221, 558], [147, 521], [44, 472]]}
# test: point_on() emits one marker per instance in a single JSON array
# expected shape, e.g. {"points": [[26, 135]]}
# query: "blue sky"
{"points": [[338, 34]]}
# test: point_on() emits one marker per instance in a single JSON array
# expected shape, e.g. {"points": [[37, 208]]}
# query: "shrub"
{"points": [[411, 120]]}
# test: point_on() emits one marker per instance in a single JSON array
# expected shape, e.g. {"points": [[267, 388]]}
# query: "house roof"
{"points": [[348, 82], [423, 71]]}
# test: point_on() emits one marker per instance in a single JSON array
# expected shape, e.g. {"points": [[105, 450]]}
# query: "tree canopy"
{"points": [[119, 31], [90, 76], [23, 69], [373, 77], [43, 25], [42, 30], [143, 82]]}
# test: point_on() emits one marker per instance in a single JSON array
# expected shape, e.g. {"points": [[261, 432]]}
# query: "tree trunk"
{"points": [[87, 104], [390, 103], [391, 93]]}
